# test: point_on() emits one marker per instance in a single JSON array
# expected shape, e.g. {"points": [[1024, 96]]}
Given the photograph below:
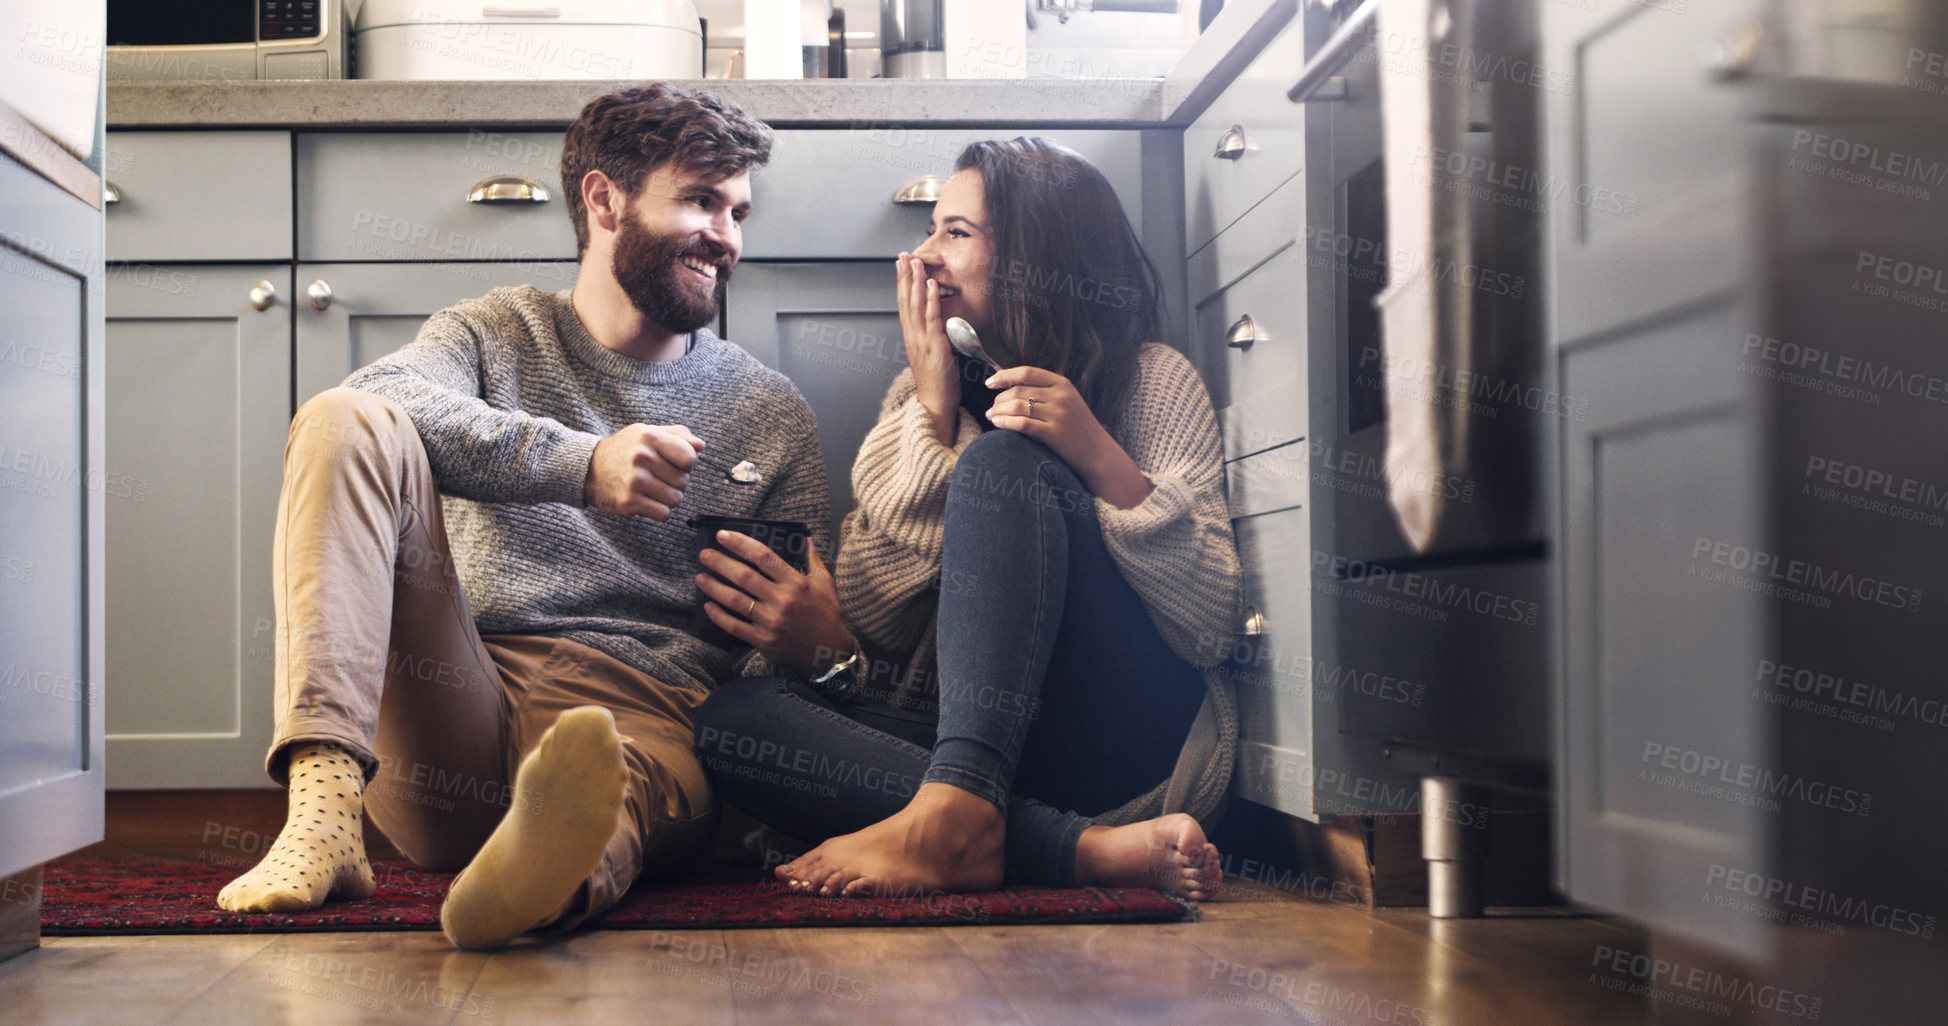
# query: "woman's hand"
{"points": [[936, 377], [796, 622], [1045, 406]]}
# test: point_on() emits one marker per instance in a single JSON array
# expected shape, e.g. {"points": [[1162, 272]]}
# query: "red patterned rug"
{"points": [[180, 897]]}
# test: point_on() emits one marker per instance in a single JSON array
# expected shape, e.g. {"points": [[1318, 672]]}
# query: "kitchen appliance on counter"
{"points": [[525, 40], [227, 40], [912, 42]]}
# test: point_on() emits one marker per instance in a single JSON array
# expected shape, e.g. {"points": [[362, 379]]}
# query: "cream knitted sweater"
{"points": [[1175, 548]]}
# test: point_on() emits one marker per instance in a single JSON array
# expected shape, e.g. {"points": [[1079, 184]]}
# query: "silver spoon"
{"points": [[962, 337]]}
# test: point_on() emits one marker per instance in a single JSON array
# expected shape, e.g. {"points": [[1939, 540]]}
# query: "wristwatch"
{"points": [[849, 663]]}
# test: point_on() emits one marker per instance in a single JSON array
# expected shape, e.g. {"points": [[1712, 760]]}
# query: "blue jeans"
{"points": [[1055, 689]]}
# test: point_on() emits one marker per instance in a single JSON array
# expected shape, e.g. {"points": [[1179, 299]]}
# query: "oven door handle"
{"points": [[1350, 38]]}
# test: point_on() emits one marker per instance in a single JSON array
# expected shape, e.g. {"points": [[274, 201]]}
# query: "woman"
{"points": [[1052, 538]]}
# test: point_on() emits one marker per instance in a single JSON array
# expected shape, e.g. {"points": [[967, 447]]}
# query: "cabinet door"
{"points": [[364, 311], [201, 380], [833, 329], [51, 503], [1658, 479]]}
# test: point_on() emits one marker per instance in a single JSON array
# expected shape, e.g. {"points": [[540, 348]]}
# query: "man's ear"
{"points": [[604, 200]]}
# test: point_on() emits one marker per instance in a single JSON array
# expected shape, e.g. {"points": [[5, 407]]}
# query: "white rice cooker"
{"points": [[519, 40]]}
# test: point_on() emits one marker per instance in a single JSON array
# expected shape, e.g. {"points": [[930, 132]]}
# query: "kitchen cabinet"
{"points": [[468, 196], [1262, 300], [203, 196], [799, 212], [833, 329], [1749, 639], [1645, 315], [54, 482], [198, 375]]}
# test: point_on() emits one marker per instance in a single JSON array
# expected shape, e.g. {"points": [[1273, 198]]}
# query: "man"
{"points": [[484, 572]]}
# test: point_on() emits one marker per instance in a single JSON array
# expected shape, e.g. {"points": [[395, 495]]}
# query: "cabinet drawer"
{"points": [[1216, 190], [1273, 670], [828, 194], [382, 196], [1260, 391], [1266, 482], [199, 196], [1262, 231]]}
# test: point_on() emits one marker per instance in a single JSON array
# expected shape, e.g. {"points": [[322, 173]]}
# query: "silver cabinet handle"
{"points": [[1234, 144], [1244, 331], [320, 294], [1254, 623], [508, 189], [921, 192], [263, 296], [109, 194], [1732, 54]]}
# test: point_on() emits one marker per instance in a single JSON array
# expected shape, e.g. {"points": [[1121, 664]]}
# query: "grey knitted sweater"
{"points": [[509, 394], [1175, 548]]}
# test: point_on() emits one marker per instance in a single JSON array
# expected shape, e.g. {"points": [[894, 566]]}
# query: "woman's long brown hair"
{"points": [[1073, 291]]}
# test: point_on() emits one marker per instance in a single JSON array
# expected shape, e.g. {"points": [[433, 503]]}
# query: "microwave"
{"points": [[228, 40]]}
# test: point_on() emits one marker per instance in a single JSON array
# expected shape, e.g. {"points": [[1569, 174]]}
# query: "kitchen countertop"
{"points": [[1229, 43], [352, 103]]}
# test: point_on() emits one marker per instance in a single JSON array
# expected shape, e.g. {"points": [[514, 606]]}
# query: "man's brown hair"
{"points": [[635, 130]]}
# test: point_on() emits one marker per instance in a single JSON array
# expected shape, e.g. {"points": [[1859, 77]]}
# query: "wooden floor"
{"points": [[1258, 956]]}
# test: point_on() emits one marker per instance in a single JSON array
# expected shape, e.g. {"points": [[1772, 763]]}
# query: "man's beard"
{"points": [[645, 265]]}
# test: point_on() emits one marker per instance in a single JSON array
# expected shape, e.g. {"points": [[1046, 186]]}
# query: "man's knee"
{"points": [[342, 417]]}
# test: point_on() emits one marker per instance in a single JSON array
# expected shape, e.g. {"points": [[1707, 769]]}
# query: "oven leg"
{"points": [[1454, 841]]}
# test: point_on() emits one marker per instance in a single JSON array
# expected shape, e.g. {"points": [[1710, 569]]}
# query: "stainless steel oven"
{"points": [[1462, 614]]}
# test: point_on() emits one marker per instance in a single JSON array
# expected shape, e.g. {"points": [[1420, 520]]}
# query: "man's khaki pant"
{"points": [[378, 653]]}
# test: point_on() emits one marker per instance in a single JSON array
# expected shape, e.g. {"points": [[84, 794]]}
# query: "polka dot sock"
{"points": [[321, 852]]}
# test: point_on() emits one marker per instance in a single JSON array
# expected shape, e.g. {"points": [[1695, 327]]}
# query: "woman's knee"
{"points": [[1010, 449], [1005, 470], [735, 710], [1004, 463]]}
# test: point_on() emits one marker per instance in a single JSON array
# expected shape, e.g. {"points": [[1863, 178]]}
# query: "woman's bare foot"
{"points": [[1168, 853], [946, 840]]}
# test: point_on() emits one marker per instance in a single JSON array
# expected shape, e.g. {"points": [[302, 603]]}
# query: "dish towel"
{"points": [[1425, 311]]}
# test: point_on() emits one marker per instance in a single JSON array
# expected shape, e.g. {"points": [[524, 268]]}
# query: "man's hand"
{"points": [[792, 618], [641, 470]]}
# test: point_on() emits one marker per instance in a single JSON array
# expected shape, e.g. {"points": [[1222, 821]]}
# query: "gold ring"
{"points": [[753, 609], [1031, 404]]}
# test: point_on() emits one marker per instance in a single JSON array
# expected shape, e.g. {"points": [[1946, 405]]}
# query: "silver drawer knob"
{"points": [[1233, 144], [109, 194], [1244, 331], [320, 294], [508, 189], [1254, 624], [263, 296]]}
